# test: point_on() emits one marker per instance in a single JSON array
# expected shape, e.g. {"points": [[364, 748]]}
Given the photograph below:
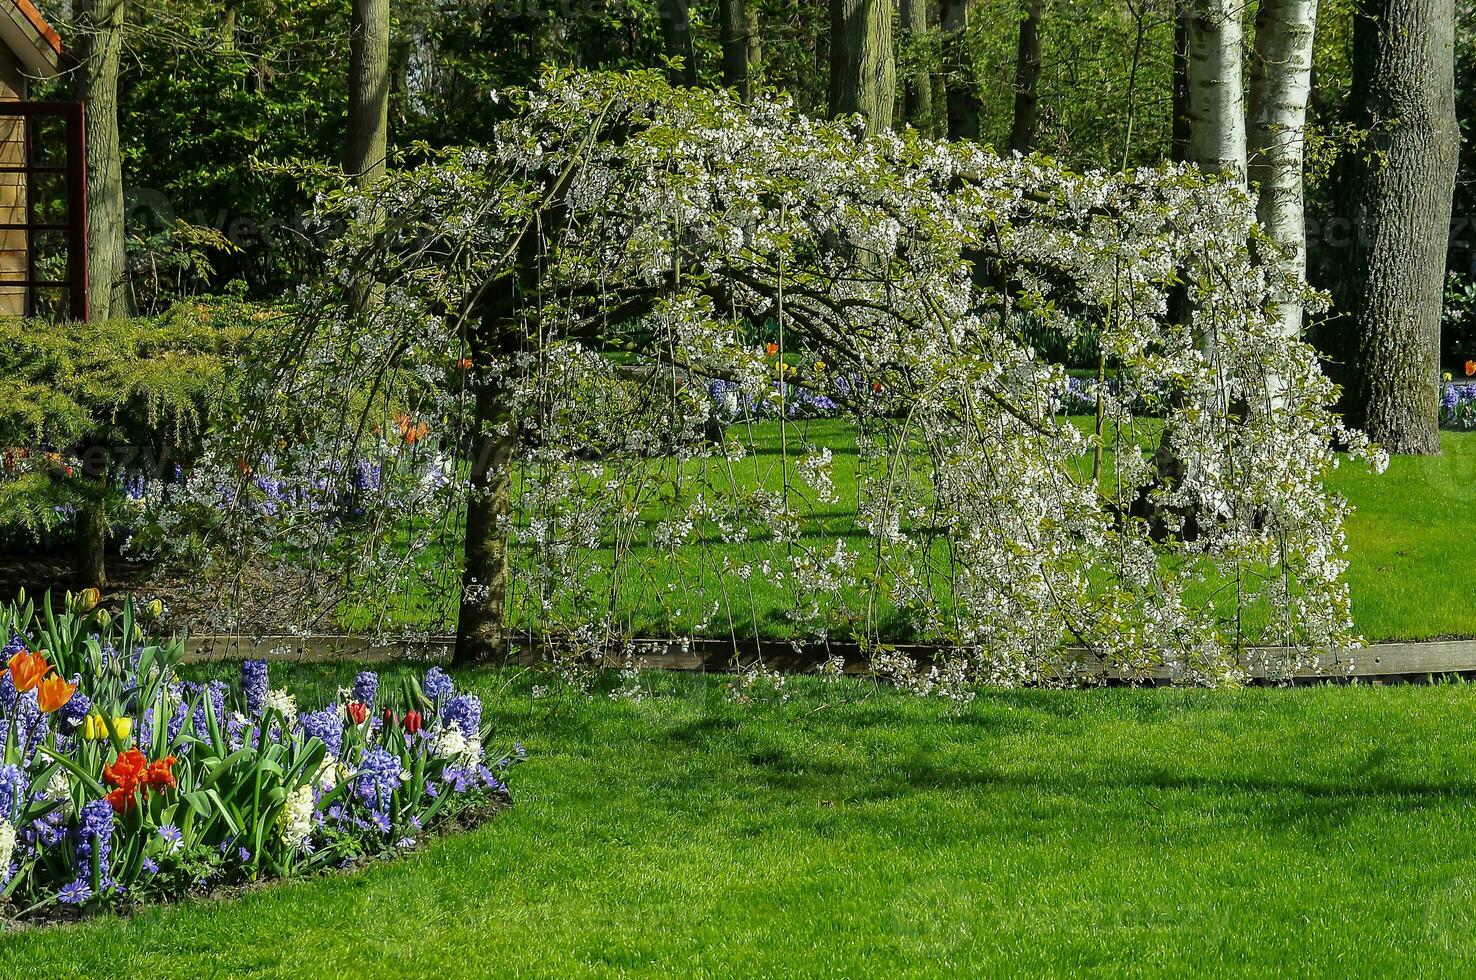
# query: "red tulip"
{"points": [[412, 721], [357, 712], [389, 718]]}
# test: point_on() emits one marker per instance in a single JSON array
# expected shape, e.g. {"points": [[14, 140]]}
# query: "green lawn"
{"points": [[1412, 544], [853, 831], [1412, 549]]}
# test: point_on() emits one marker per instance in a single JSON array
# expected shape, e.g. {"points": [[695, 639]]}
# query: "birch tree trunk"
{"points": [[1281, 84], [863, 64], [368, 89], [1400, 191], [99, 50], [1027, 79], [1216, 90], [735, 25]]}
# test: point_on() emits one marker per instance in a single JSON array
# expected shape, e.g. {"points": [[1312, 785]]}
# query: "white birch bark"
{"points": [[1281, 84], [1216, 89]]}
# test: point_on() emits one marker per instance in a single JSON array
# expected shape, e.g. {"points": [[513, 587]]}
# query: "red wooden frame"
{"points": [[75, 169]]}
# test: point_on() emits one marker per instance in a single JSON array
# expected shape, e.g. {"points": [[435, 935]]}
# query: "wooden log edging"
{"points": [[1382, 662]]}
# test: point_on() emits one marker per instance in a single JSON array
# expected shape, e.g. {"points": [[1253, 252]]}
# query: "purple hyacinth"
{"points": [[31, 725], [254, 681], [465, 712], [96, 831], [378, 778], [74, 712], [438, 686], [366, 686], [12, 791], [325, 726]]}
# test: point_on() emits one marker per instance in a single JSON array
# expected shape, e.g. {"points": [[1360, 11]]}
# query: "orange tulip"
{"points": [[1470, 368], [27, 669], [410, 430], [160, 773], [53, 693], [126, 771], [773, 349]]}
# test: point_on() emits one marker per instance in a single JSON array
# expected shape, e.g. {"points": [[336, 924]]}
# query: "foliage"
{"points": [[86, 402], [667, 218], [127, 783]]}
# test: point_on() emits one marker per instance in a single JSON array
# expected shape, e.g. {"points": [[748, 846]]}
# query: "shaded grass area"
{"points": [[855, 831], [1412, 552]]}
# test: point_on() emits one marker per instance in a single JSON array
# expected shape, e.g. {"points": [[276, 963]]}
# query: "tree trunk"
{"points": [[917, 93], [368, 91], [1027, 79], [1401, 189], [481, 631], [735, 24], [755, 43], [1281, 84], [1216, 89], [958, 72], [863, 65], [92, 543], [676, 35], [1181, 124], [99, 49]]}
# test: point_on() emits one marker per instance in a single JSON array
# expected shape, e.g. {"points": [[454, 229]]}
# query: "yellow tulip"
{"points": [[95, 727]]}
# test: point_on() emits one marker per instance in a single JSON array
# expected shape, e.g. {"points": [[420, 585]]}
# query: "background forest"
{"points": [[225, 108]]}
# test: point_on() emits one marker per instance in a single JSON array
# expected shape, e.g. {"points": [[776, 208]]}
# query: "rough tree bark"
{"points": [[1281, 84], [1182, 126], [958, 71], [1027, 79], [481, 632], [99, 49], [1216, 90], [368, 89], [1400, 192], [735, 25], [676, 37], [917, 90], [863, 64]]}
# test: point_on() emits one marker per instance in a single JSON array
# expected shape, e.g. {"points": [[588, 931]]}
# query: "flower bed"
{"points": [[121, 783]]}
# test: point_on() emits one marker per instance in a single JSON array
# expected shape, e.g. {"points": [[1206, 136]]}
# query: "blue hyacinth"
{"points": [[325, 726], [378, 778], [438, 686], [465, 712], [366, 686], [12, 791], [255, 679]]}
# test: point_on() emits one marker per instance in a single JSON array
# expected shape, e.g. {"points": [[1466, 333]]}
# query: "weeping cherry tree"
{"points": [[560, 306]]}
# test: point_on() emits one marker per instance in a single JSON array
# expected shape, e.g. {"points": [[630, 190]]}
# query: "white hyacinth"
{"points": [[280, 701], [296, 819], [7, 847]]}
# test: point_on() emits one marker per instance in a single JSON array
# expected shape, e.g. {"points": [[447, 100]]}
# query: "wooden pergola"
{"points": [[43, 180]]}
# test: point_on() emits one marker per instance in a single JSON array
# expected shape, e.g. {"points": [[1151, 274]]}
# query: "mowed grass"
{"points": [[854, 831], [1412, 543], [1412, 549]]}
